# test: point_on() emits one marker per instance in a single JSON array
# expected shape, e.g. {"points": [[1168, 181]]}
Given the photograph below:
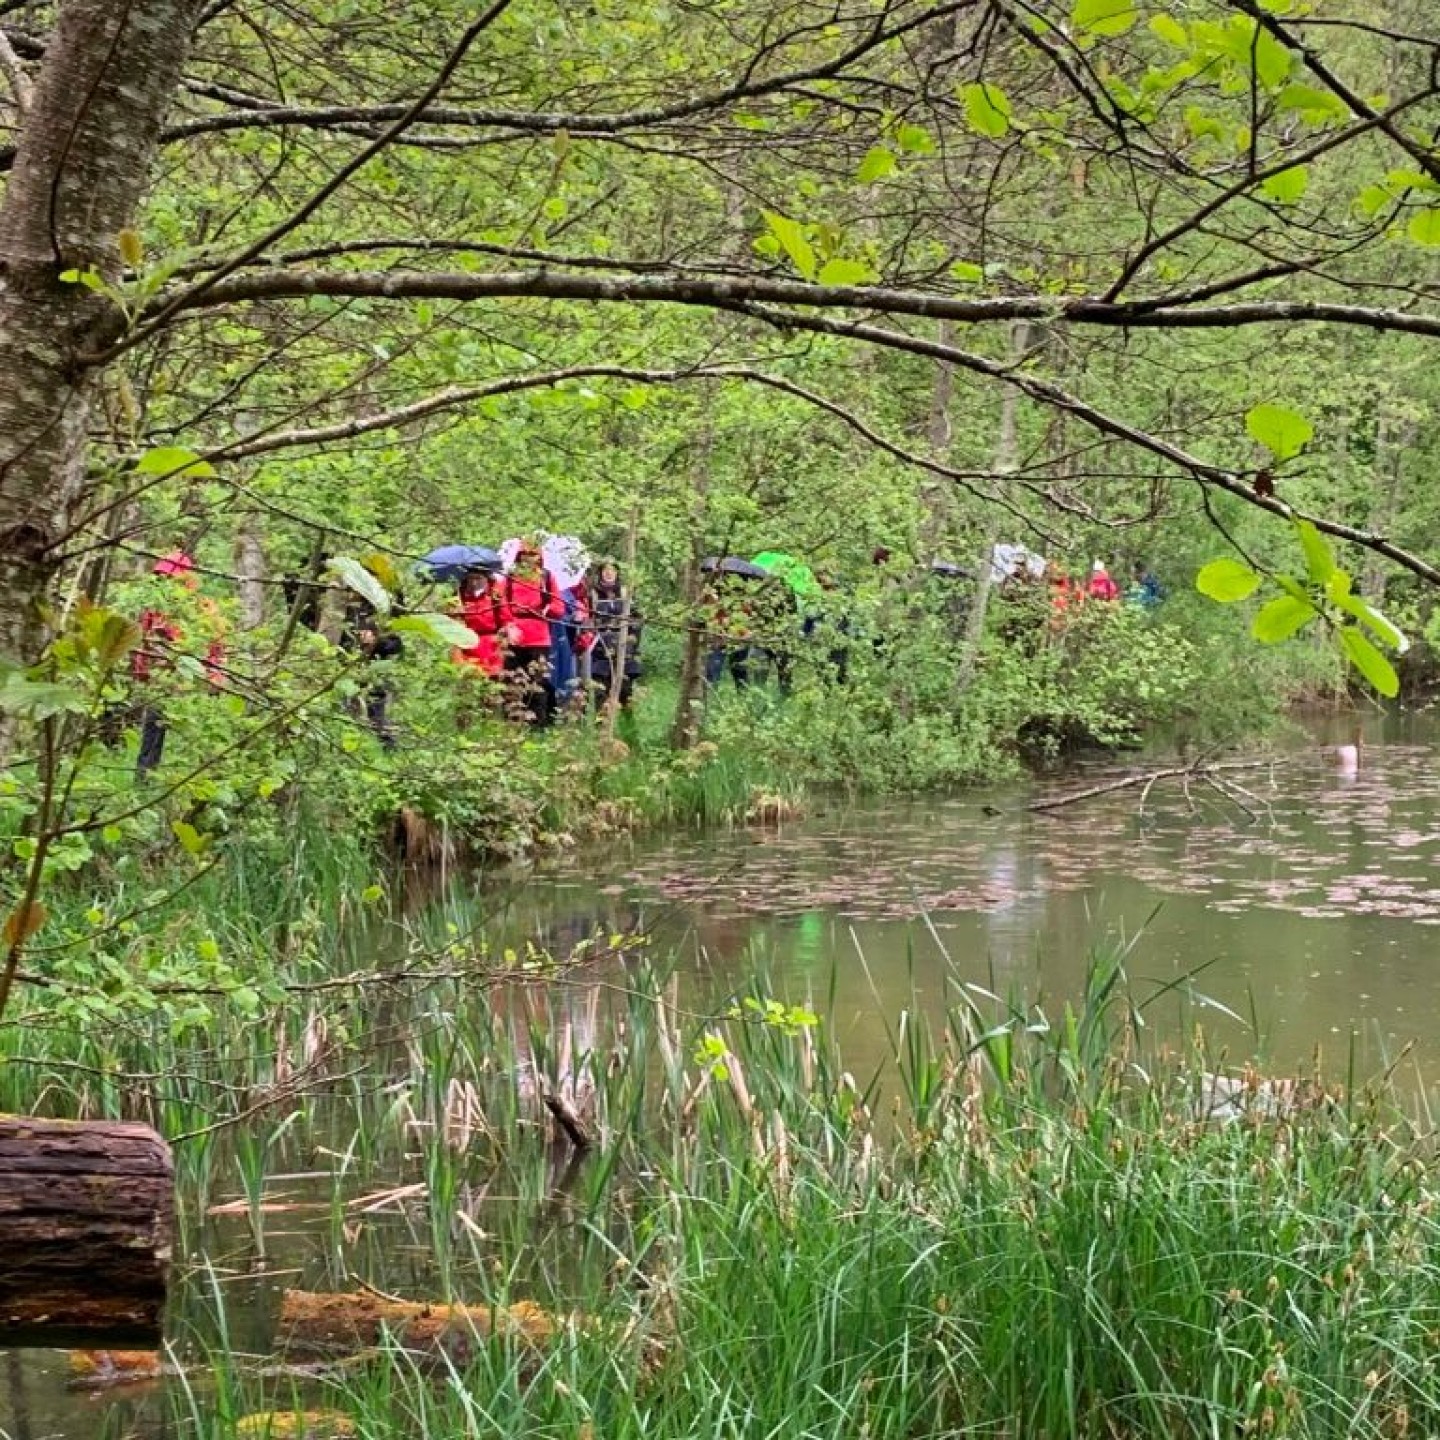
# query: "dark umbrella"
{"points": [[450, 562], [734, 565], [950, 570]]}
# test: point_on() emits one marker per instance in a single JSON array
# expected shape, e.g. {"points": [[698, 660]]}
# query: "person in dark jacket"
{"points": [[728, 615], [362, 634], [609, 601]]}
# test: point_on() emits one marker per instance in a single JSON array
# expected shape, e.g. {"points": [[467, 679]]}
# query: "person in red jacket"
{"points": [[160, 638], [532, 599], [483, 610], [1102, 586]]}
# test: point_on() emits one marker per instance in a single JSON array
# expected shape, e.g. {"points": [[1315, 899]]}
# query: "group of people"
{"points": [[1016, 569], [1067, 592], [550, 645]]}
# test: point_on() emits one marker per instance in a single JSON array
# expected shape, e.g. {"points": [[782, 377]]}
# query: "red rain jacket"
{"points": [[531, 605]]}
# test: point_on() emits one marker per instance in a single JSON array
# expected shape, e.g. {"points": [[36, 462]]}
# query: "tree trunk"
{"points": [[1393, 439], [1006, 457], [82, 162], [87, 1212], [939, 496], [250, 574], [622, 642]]}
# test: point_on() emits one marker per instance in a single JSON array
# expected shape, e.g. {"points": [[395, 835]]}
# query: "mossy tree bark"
{"points": [[84, 155]]}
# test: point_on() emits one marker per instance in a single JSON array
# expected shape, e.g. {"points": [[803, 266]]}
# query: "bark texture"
{"points": [[81, 166], [86, 1216]]}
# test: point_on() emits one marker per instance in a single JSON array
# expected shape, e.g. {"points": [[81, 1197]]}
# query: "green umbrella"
{"points": [[795, 573]]}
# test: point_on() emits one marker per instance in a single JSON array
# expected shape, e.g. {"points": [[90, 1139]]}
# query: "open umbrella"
{"points": [[733, 565], [565, 557], [450, 562], [795, 573]]}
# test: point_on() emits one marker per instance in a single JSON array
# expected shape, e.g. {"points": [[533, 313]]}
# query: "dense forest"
{"points": [[296, 294], [440, 441]]}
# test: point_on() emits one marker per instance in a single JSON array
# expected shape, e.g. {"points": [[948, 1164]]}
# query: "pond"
{"points": [[1304, 901], [1306, 898]]}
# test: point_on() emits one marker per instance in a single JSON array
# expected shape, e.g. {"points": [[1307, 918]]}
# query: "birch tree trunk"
{"points": [[82, 162]]}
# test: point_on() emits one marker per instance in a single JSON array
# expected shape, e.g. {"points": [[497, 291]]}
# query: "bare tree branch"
{"points": [[729, 292]]}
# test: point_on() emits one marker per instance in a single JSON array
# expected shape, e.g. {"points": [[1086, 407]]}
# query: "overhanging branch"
{"points": [[729, 292]]}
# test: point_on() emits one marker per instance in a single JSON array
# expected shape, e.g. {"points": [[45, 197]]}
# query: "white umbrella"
{"points": [[565, 557]]}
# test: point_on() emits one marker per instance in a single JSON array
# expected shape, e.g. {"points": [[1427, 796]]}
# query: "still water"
{"points": [[1306, 898]]}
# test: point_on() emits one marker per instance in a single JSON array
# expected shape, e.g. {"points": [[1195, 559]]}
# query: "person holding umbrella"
{"points": [[532, 599], [728, 615], [483, 610]]}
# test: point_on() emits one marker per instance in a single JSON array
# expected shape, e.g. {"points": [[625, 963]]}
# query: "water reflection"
{"points": [[1305, 889]]}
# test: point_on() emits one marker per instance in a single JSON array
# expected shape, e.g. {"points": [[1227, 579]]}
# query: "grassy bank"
{"points": [[1020, 1228]]}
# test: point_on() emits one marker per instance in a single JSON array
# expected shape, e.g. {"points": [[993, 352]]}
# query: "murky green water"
{"points": [[1310, 897], [1307, 898]]}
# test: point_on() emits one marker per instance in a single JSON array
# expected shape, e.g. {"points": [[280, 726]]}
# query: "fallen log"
{"points": [[86, 1219], [343, 1324]]}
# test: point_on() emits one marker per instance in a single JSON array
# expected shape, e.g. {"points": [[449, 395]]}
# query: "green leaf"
{"points": [[1171, 31], [174, 460], [119, 635], [90, 279], [987, 108], [1371, 664], [441, 629], [1282, 432], [39, 699], [1288, 186], [791, 235], [1273, 62], [914, 140], [1104, 17], [968, 271], [845, 272], [189, 837], [877, 164], [354, 576], [1314, 106], [1424, 227], [1385, 629], [1227, 581], [1280, 618], [1319, 558], [1372, 200]]}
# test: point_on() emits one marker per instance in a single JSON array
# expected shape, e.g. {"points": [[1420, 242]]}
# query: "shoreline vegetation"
{"points": [[1029, 1224]]}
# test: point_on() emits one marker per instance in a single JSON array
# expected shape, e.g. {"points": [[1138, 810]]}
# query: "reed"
{"points": [[1027, 1226]]}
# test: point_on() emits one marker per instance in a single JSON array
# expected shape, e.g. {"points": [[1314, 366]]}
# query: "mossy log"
{"points": [[341, 1324], [86, 1216]]}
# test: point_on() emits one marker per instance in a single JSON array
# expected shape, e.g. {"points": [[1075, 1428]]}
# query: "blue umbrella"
{"points": [[450, 562]]}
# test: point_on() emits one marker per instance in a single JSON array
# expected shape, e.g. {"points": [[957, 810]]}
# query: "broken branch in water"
{"points": [[566, 1116], [1197, 769]]}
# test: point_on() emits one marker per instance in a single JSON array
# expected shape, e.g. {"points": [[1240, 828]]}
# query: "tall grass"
{"points": [[1025, 1227]]}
